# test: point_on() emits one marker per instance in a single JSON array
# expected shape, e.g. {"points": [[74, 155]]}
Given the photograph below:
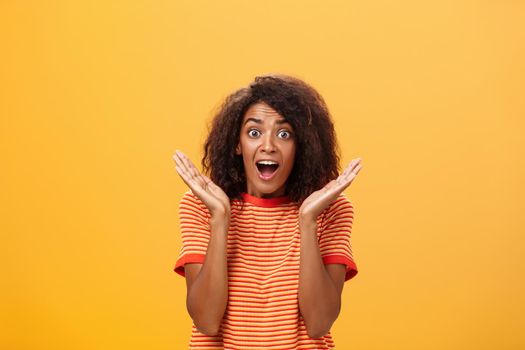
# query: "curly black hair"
{"points": [[317, 158]]}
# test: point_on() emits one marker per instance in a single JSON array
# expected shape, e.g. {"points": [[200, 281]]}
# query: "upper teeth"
{"points": [[267, 162]]}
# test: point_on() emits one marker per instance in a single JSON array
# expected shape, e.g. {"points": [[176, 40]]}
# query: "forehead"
{"points": [[261, 111]]}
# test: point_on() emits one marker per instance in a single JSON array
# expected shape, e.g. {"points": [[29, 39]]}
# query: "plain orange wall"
{"points": [[97, 95]]}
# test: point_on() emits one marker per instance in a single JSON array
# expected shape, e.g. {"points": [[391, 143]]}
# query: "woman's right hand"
{"points": [[217, 202]]}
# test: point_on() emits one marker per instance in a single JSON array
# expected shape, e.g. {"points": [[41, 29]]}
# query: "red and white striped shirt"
{"points": [[263, 268]]}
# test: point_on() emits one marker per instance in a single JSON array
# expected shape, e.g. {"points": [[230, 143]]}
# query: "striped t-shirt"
{"points": [[263, 268]]}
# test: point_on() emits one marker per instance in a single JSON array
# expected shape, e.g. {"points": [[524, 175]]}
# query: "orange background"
{"points": [[97, 95]]}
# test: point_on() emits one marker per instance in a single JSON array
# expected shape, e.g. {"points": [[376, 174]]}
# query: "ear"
{"points": [[238, 150]]}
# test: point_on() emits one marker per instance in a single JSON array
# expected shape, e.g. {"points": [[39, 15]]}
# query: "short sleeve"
{"points": [[195, 231], [334, 238]]}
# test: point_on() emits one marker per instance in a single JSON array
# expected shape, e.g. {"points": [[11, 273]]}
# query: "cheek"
{"points": [[246, 149], [290, 157], [291, 151]]}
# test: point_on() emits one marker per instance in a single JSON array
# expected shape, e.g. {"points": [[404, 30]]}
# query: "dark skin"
{"points": [[320, 285], [266, 135], [207, 284]]}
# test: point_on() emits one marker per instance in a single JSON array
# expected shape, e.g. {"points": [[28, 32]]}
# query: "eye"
{"points": [[253, 132], [286, 134]]}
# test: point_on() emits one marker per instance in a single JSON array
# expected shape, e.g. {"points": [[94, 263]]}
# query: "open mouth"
{"points": [[267, 169]]}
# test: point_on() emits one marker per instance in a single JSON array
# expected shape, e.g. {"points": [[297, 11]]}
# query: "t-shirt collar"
{"points": [[265, 202]]}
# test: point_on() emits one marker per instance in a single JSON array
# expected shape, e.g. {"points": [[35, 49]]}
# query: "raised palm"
{"points": [[319, 200], [217, 202]]}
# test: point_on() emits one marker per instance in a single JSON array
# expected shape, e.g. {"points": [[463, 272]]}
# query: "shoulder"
{"points": [[341, 203], [189, 198], [190, 202], [341, 206]]}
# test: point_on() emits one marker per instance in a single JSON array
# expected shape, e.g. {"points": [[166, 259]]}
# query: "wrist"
{"points": [[222, 218], [307, 222]]}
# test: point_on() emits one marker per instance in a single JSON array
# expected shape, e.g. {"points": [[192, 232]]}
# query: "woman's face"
{"points": [[266, 136]]}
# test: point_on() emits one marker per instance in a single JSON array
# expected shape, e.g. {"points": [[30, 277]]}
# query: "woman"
{"points": [[266, 237]]}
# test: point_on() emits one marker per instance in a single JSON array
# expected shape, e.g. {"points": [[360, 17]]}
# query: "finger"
{"points": [[177, 159], [183, 170], [188, 180], [203, 180], [180, 163], [348, 169], [348, 178], [194, 171], [185, 173], [345, 172], [351, 165], [195, 187], [191, 169], [185, 161], [351, 176], [207, 181], [213, 188], [351, 168], [357, 169]]}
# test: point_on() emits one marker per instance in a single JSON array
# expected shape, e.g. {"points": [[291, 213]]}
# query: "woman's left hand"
{"points": [[321, 199]]}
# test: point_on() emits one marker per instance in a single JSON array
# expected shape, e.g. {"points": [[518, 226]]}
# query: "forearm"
{"points": [[319, 301], [208, 296]]}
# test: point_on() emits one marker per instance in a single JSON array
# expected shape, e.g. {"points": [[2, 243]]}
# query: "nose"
{"points": [[268, 144]]}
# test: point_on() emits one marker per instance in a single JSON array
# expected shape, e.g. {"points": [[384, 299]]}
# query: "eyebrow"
{"points": [[259, 121]]}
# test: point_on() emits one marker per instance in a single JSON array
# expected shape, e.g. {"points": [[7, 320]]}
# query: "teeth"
{"points": [[267, 162]]}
